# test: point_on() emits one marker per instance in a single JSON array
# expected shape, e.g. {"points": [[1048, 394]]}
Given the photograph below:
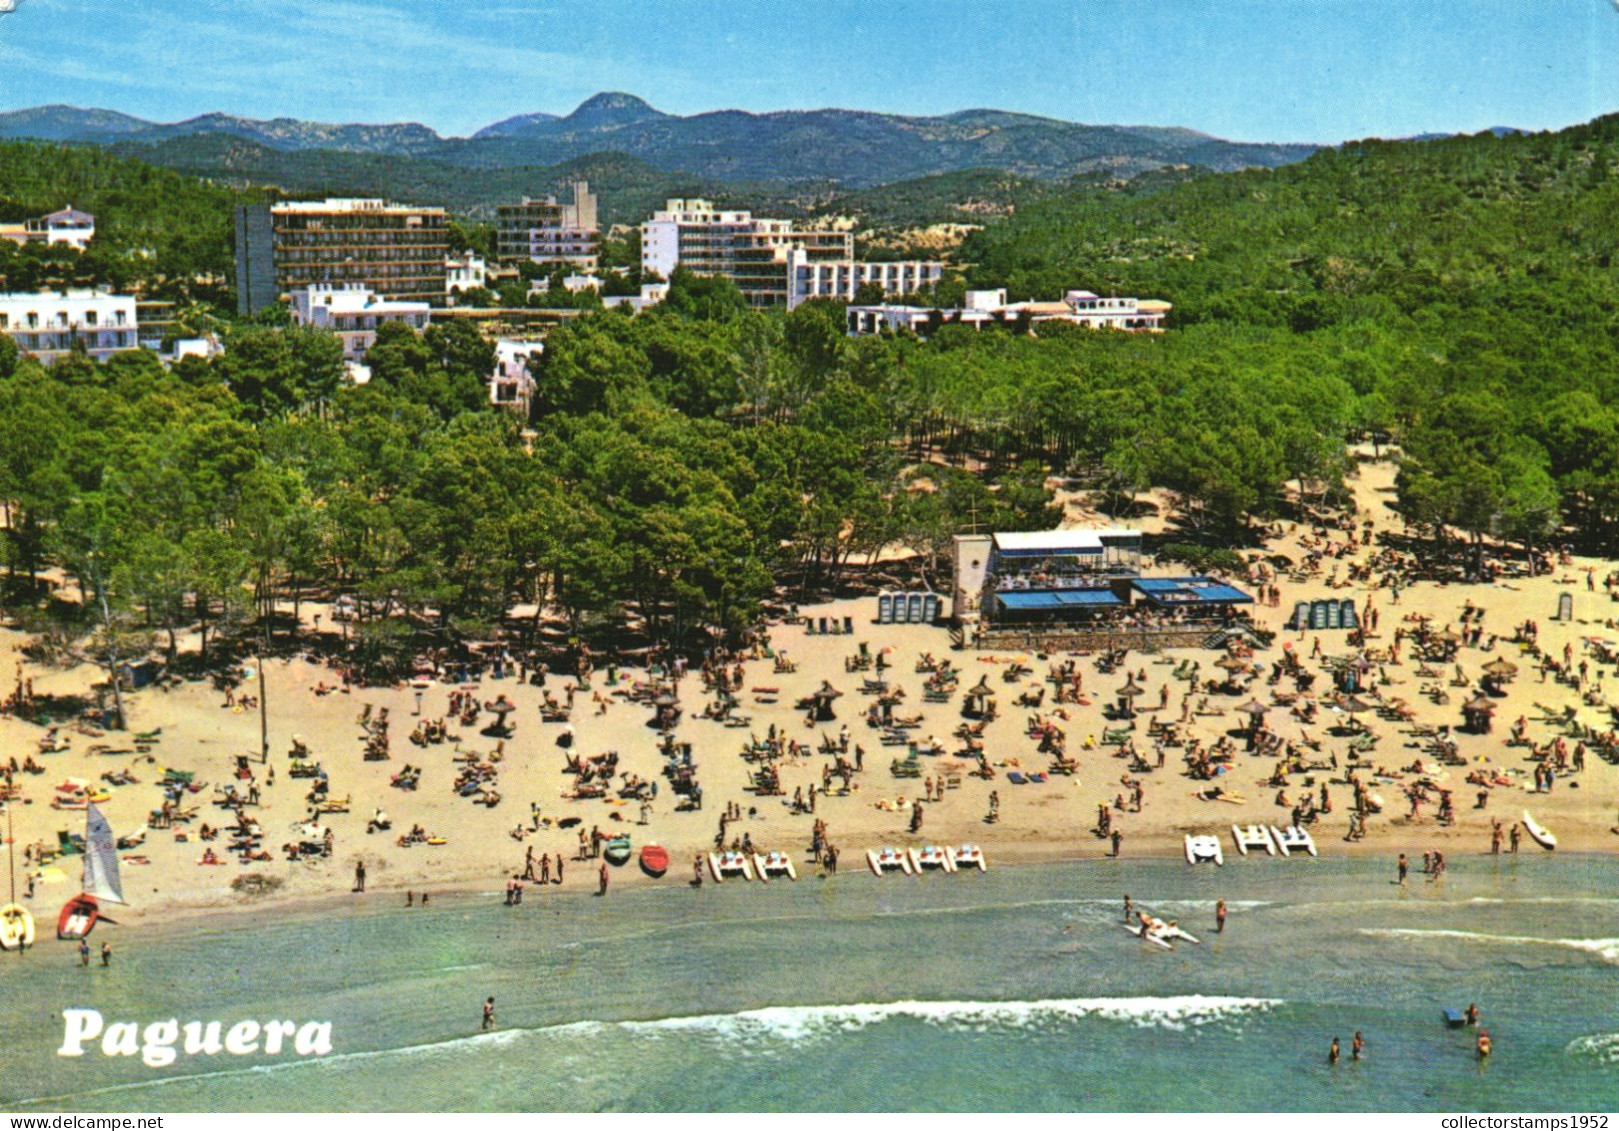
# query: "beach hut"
{"points": [[931, 607], [885, 608], [1301, 616]]}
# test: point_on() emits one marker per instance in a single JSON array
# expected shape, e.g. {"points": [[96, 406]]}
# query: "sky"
{"points": [[1253, 70]]}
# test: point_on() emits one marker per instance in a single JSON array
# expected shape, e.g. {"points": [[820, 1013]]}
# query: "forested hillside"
{"points": [[1463, 288], [152, 225], [690, 463]]}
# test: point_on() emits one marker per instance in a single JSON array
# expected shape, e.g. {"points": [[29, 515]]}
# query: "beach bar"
{"points": [[1080, 588]]}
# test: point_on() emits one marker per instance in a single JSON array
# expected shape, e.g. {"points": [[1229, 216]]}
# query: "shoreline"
{"points": [[179, 918]]}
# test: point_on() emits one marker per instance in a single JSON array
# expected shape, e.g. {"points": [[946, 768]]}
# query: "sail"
{"points": [[100, 858]]}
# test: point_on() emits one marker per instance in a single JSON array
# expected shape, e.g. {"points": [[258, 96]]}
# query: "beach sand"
{"points": [[1038, 822]]}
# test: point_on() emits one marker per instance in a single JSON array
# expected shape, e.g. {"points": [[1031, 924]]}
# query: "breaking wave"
{"points": [[1606, 949]]}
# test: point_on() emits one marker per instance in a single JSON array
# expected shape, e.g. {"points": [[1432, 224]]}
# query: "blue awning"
{"points": [[1034, 599], [1189, 591]]}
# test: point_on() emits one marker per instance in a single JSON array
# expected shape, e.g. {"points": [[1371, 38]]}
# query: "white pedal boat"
{"points": [[1204, 850], [1292, 839], [1148, 936], [1253, 836], [771, 865], [967, 856], [724, 864], [1538, 832], [885, 860], [932, 858], [1159, 932]]}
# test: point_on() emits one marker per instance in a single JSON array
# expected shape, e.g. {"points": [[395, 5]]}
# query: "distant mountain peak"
{"points": [[509, 127], [612, 108]]}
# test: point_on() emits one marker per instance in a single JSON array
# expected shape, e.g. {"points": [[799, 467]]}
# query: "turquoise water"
{"points": [[1015, 989]]}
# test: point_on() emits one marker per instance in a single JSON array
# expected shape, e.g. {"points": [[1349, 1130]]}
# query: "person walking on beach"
{"points": [[359, 876], [1219, 916], [106, 954], [488, 1014], [1118, 839], [916, 817], [84, 952], [1513, 838]]}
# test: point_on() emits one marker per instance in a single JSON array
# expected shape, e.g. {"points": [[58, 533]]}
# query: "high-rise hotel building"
{"points": [[547, 232], [772, 262], [395, 250]]}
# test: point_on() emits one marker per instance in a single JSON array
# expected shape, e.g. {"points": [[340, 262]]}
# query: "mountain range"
{"points": [[853, 148]]}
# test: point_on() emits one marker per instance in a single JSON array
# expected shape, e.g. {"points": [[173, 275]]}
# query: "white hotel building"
{"points": [[353, 313], [1081, 308], [47, 324], [772, 262]]}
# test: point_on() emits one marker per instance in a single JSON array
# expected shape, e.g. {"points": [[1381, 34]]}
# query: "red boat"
{"points": [[654, 859], [83, 911], [79, 917]]}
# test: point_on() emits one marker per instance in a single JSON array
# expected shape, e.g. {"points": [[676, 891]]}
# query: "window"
{"points": [[90, 318]]}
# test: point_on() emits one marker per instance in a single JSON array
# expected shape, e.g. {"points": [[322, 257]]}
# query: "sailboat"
{"points": [[16, 922], [81, 914]]}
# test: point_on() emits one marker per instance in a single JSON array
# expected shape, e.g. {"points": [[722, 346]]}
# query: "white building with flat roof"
{"points": [[990, 307], [354, 313], [67, 226], [48, 324], [512, 383], [843, 278], [464, 272]]}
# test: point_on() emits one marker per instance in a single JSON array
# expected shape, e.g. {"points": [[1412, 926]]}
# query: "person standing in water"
{"points": [[1357, 1046], [1332, 1053], [1404, 868], [1129, 909], [603, 889], [1219, 917], [488, 1014]]}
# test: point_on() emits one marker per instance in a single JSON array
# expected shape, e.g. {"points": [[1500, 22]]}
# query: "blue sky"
{"points": [[1263, 70]]}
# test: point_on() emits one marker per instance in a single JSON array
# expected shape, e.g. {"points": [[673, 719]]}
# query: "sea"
{"points": [[1016, 989]]}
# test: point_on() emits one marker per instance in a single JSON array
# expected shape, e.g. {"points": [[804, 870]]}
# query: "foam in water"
{"points": [[1603, 1047], [794, 1024], [1606, 949]]}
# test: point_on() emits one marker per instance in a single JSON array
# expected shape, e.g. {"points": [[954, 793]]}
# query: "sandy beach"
{"points": [[1050, 821]]}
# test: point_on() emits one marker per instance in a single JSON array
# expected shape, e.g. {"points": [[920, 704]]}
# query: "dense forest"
{"points": [[1463, 289], [168, 233], [683, 468]]}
